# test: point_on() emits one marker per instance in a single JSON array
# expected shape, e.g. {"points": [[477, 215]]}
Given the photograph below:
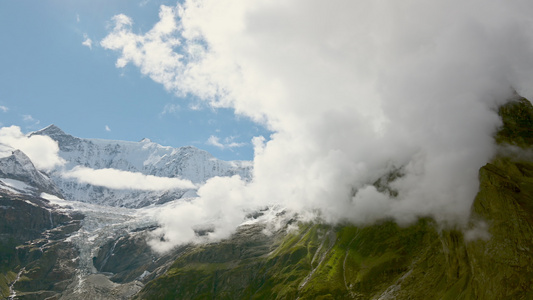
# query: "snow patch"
{"points": [[17, 185]]}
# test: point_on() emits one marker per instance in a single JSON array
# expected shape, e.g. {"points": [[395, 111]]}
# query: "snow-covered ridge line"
{"points": [[145, 157]]}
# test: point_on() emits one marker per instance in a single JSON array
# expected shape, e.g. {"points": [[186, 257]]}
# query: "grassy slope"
{"points": [[383, 260]]}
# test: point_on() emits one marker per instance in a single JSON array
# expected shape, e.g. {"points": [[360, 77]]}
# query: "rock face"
{"points": [[36, 260], [491, 259], [144, 157], [517, 117], [129, 258]]}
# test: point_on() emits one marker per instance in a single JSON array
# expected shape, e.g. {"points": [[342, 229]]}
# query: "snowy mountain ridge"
{"points": [[144, 157]]}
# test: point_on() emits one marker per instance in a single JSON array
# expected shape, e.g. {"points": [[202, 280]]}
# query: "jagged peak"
{"points": [[17, 160], [20, 155], [192, 149], [145, 140], [50, 130], [21, 158]]}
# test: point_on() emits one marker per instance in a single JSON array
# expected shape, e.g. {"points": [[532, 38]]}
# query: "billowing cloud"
{"points": [[152, 52], [117, 179], [209, 210], [42, 150], [353, 91]]}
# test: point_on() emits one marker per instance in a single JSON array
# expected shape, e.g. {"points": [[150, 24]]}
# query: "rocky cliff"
{"points": [[36, 259]]}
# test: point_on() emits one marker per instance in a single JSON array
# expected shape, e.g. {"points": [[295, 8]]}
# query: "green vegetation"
{"points": [[5, 281], [517, 118], [492, 259]]}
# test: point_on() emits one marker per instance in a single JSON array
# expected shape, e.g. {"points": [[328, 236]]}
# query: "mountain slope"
{"points": [[492, 259]]}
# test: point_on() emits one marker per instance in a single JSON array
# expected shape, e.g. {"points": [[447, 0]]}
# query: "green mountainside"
{"points": [[492, 259]]}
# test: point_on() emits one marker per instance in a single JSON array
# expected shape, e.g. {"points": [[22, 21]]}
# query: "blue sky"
{"points": [[48, 76]]}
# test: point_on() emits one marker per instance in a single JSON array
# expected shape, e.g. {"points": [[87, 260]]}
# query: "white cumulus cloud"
{"points": [[353, 90], [42, 150]]}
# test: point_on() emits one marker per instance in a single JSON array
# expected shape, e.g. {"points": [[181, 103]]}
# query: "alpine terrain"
{"points": [[65, 238]]}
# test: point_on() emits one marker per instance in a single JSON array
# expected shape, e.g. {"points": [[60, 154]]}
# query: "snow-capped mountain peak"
{"points": [[50, 130], [145, 157]]}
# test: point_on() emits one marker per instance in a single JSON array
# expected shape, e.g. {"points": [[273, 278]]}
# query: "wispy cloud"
{"points": [[31, 120], [170, 108], [214, 141], [195, 106], [228, 142], [3, 108], [87, 42], [117, 179], [107, 128], [28, 118], [143, 3]]}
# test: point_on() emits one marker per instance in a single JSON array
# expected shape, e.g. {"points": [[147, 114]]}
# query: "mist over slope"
{"points": [[353, 91], [489, 259]]}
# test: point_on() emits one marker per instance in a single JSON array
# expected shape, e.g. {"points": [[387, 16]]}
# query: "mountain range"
{"points": [[61, 238], [143, 157]]}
